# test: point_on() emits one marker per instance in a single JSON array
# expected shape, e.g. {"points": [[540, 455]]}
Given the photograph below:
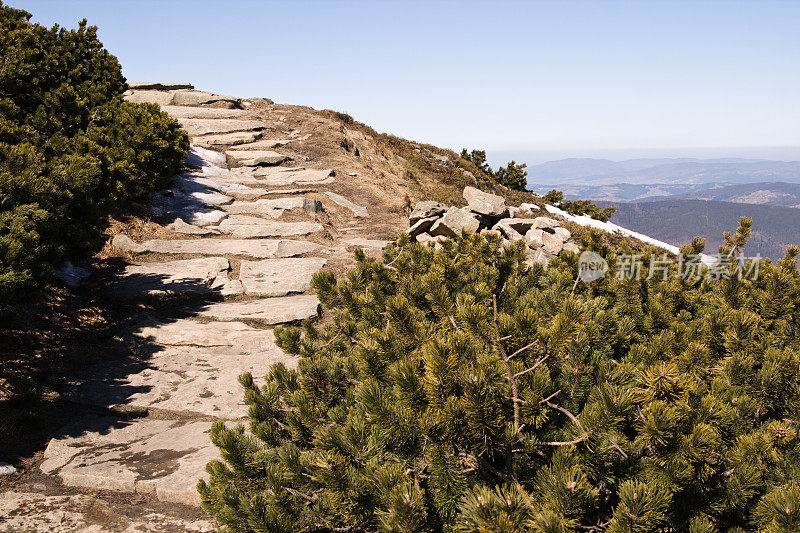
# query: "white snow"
{"points": [[610, 227]]}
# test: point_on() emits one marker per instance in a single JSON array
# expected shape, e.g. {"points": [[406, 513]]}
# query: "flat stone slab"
{"points": [[362, 242], [217, 338], [180, 111], [267, 311], [484, 203], [164, 458], [204, 126], [161, 98], [37, 513], [248, 227], [185, 276], [157, 86], [181, 379], [180, 226], [264, 144], [279, 277], [273, 207], [288, 176], [254, 158], [184, 97], [357, 210], [226, 139], [262, 249]]}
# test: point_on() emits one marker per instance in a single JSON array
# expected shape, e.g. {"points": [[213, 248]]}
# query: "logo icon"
{"points": [[591, 267]]}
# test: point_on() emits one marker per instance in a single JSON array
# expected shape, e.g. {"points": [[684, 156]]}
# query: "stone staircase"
{"points": [[248, 227]]}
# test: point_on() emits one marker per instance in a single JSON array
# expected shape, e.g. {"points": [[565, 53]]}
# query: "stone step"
{"points": [[259, 248], [248, 227], [203, 126], [248, 194], [288, 176], [226, 139], [206, 276], [273, 208], [264, 144], [268, 311], [179, 111], [32, 512], [357, 210], [254, 158], [158, 86], [179, 379], [219, 338], [164, 458], [279, 277]]}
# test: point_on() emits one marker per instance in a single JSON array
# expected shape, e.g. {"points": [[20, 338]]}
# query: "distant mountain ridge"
{"points": [[679, 171]]}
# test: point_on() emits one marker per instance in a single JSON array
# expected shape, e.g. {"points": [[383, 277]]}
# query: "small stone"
{"points": [[123, 242], [529, 207], [357, 210], [454, 222], [179, 226], [484, 203], [545, 222], [71, 275], [7, 469], [425, 209]]}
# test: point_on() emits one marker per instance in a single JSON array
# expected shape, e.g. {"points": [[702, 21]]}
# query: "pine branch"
{"points": [[507, 361]]}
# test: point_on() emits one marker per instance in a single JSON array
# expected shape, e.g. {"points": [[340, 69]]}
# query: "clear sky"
{"points": [[561, 78]]}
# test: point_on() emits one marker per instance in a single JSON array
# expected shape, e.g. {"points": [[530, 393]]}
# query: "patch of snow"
{"points": [[610, 227], [7, 469]]}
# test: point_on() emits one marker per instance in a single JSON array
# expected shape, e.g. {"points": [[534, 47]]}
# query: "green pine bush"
{"points": [[71, 150], [459, 389]]}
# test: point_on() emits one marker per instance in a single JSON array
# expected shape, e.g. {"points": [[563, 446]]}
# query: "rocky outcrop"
{"points": [[431, 222]]}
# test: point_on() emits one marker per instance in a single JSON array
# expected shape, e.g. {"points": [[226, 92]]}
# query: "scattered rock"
{"points": [[454, 222], [279, 277], [248, 227], [358, 211], [267, 311], [562, 233], [485, 203], [71, 275], [179, 226], [545, 222], [421, 226], [425, 209], [254, 158]]}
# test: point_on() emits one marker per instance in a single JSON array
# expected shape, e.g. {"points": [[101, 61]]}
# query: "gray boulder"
{"points": [[421, 226], [454, 222], [545, 222], [485, 203], [425, 209]]}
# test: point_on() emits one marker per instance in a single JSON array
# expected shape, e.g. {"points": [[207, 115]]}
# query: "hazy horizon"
{"points": [[542, 79]]}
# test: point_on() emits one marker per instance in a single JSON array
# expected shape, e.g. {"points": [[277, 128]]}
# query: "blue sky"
{"points": [[533, 79]]}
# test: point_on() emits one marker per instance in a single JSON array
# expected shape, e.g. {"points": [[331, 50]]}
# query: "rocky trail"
{"points": [[260, 209], [270, 195]]}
